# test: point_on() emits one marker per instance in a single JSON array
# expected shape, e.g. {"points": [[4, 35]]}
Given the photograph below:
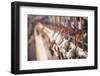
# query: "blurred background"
{"points": [[58, 37]]}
